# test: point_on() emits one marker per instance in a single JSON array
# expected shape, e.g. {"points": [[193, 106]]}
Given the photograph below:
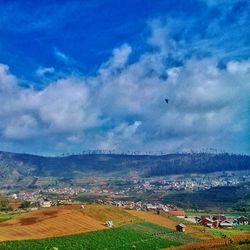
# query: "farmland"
{"points": [[103, 213], [47, 223], [216, 243], [58, 221], [153, 218], [138, 235], [7, 216], [82, 227]]}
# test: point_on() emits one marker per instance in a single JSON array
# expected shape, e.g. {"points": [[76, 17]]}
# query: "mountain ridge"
{"points": [[18, 164]]}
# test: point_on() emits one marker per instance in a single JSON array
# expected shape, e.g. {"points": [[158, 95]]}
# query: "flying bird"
{"points": [[166, 100]]}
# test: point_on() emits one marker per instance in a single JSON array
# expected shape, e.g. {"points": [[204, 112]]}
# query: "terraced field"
{"points": [[119, 216], [193, 230], [47, 223], [74, 227], [215, 243], [153, 218], [58, 221], [138, 235]]}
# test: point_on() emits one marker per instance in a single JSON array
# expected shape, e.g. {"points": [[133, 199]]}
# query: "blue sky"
{"points": [[79, 75]]}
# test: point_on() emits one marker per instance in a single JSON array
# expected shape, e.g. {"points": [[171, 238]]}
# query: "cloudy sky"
{"points": [[80, 75]]}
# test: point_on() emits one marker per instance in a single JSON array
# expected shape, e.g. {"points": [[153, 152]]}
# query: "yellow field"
{"points": [[58, 221], [119, 216], [153, 218], [48, 222]]}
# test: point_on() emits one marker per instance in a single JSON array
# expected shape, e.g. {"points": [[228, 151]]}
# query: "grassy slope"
{"points": [[102, 213], [141, 235], [132, 228], [7, 216], [59, 221]]}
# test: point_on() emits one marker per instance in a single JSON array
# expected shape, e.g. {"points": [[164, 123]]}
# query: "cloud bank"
{"points": [[122, 106]]}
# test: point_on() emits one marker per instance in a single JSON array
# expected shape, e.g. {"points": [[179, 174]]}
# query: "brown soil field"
{"points": [[214, 243], [65, 220], [198, 232], [49, 222], [72, 219]]}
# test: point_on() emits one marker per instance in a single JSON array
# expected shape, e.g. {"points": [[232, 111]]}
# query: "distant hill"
{"points": [[16, 166]]}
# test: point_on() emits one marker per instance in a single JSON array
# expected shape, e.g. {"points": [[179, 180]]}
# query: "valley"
{"points": [[83, 227]]}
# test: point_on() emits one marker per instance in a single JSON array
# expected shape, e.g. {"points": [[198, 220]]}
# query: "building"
{"points": [[45, 204], [177, 212], [208, 222], [242, 220], [109, 223], [226, 223], [180, 227]]}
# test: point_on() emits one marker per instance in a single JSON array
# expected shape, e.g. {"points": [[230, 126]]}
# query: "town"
{"points": [[127, 186], [208, 220]]}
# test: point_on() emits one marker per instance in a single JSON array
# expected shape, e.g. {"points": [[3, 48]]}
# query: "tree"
{"points": [[25, 204], [3, 202]]}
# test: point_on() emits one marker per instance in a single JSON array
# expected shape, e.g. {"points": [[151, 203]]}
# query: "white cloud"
{"points": [[122, 107], [41, 71], [7, 81], [21, 127], [235, 67], [61, 56]]}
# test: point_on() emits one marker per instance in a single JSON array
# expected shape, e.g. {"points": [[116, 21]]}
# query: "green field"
{"points": [[7, 216], [221, 232], [243, 227], [140, 235]]}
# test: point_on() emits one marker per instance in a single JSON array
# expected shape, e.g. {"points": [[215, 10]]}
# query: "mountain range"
{"points": [[16, 165]]}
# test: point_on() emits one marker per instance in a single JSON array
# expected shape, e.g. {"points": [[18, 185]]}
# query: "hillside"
{"points": [[16, 166], [58, 221], [74, 227]]}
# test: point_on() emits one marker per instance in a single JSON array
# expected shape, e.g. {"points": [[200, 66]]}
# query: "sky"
{"points": [[84, 75]]}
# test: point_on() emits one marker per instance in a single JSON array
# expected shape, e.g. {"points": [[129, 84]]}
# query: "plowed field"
{"points": [[49, 222]]}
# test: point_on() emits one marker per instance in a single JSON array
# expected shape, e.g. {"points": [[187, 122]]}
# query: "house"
{"points": [[109, 223], [45, 204], [226, 223], [180, 227], [177, 212], [206, 216], [242, 220], [151, 207], [220, 217], [208, 222]]}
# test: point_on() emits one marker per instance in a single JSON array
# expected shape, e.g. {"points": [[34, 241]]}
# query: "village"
{"points": [[130, 194], [189, 183], [211, 221], [129, 186], [207, 220]]}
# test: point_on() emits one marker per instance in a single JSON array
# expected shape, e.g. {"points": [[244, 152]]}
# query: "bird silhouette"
{"points": [[166, 100]]}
